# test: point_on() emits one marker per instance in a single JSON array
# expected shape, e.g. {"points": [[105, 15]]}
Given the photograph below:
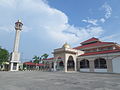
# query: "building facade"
{"points": [[92, 55]]}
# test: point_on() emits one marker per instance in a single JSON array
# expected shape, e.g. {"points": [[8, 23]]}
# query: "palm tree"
{"points": [[44, 56], [36, 59]]}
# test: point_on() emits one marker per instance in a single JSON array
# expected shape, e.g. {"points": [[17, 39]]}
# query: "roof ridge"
{"points": [[93, 44], [91, 39]]}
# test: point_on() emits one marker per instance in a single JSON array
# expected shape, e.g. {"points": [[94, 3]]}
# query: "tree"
{"points": [[44, 56], [36, 59], [4, 55]]}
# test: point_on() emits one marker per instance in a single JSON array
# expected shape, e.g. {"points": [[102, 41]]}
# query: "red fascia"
{"points": [[53, 58], [33, 64], [89, 40], [101, 52], [93, 44]]}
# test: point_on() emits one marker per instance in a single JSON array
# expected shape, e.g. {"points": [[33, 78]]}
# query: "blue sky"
{"points": [[48, 24]]}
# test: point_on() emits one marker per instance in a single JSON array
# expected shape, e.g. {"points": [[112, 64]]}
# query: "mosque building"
{"points": [[92, 55]]}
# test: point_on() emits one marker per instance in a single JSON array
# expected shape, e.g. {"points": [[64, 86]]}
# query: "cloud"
{"points": [[86, 31], [39, 18], [111, 37], [7, 28], [7, 3], [108, 10], [102, 20], [90, 21]]}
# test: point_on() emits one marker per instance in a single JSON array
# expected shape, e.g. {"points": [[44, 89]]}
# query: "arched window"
{"points": [[70, 64], [100, 63], [84, 63]]}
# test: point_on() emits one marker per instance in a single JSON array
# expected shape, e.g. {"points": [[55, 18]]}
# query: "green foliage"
{"points": [[44, 56], [4, 55], [37, 59]]}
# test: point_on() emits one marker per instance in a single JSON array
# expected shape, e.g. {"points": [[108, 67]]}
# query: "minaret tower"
{"points": [[15, 54]]}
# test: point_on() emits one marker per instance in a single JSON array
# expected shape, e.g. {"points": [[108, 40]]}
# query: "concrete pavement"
{"points": [[37, 80]]}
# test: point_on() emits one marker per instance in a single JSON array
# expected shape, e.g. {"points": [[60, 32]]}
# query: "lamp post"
{"points": [[15, 54]]}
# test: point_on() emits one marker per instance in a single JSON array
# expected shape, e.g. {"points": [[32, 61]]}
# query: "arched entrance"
{"points": [[84, 63], [100, 65], [70, 64]]}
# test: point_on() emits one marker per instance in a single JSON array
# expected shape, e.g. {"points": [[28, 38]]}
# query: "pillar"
{"points": [[55, 66], [78, 65], [17, 68], [65, 64], [75, 61], [91, 65], [109, 65], [11, 67], [50, 66]]}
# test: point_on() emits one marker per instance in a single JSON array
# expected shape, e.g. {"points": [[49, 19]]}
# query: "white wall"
{"points": [[116, 65], [100, 70], [85, 70]]}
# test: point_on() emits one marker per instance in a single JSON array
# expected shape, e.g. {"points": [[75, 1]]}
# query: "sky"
{"points": [[48, 24]]}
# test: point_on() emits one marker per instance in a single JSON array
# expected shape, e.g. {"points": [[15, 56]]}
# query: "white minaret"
{"points": [[15, 54]]}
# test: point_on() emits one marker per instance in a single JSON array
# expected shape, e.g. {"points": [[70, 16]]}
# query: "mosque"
{"points": [[92, 55]]}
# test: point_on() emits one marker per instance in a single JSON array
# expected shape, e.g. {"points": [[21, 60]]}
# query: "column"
{"points": [[78, 65], [17, 67], [50, 66], [75, 64], [11, 68], [109, 65], [55, 66], [91, 64], [65, 64]]}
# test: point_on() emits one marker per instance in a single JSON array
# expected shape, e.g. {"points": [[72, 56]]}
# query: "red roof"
{"points": [[53, 58], [93, 44], [101, 52], [90, 40], [49, 58], [34, 64]]}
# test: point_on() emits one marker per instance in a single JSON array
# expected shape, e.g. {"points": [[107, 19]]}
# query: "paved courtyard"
{"points": [[36, 80]]}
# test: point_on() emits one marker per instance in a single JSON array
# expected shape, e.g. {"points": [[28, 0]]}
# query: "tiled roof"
{"points": [[53, 58], [33, 64], [100, 52], [93, 44], [90, 40], [49, 58]]}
